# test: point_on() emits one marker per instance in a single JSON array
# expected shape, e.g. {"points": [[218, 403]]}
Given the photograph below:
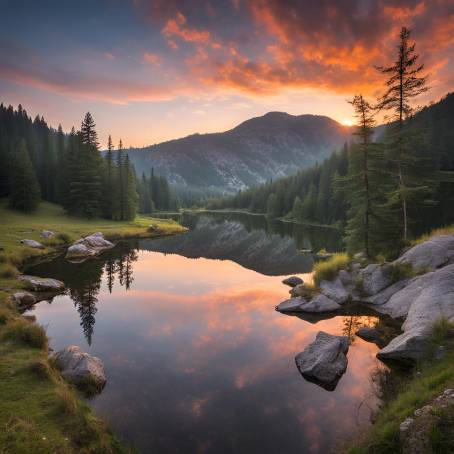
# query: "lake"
{"points": [[197, 358]]}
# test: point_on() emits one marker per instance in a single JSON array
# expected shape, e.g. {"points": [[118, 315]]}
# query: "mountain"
{"points": [[263, 148]]}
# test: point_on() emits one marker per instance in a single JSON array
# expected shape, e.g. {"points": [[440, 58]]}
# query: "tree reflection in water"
{"points": [[83, 280]]}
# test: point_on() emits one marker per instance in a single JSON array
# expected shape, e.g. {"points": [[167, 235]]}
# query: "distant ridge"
{"points": [[274, 145]]}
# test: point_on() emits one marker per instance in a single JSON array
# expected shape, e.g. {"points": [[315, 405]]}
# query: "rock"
{"points": [[324, 361], [291, 305], [298, 290], [24, 298], [369, 334], [423, 301], [320, 303], [431, 254], [383, 296], [32, 243], [375, 278], [346, 279], [405, 426], [41, 284], [47, 234], [79, 250], [293, 281], [88, 247], [81, 368], [360, 256], [334, 290]]}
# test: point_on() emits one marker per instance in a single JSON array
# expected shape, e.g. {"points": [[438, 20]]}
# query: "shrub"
{"points": [[398, 271], [63, 237], [8, 271], [40, 368], [441, 330], [327, 270], [67, 401], [5, 315], [30, 333]]}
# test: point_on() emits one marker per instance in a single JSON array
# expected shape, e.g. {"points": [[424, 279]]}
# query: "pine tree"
{"points": [[119, 212], [297, 210], [62, 187], [88, 132], [108, 183], [130, 196], [86, 172], [24, 188], [404, 83], [364, 184]]}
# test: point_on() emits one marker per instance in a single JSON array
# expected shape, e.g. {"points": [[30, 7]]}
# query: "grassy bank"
{"points": [[429, 380], [39, 412]]}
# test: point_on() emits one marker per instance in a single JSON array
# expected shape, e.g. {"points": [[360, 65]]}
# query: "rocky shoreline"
{"points": [[417, 288]]}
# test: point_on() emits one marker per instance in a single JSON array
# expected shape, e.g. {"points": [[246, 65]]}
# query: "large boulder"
{"points": [[375, 277], [41, 284], [425, 300], [334, 290], [369, 334], [292, 281], [324, 361], [320, 303], [33, 244], [384, 295], [433, 253], [88, 247], [84, 370], [291, 305]]}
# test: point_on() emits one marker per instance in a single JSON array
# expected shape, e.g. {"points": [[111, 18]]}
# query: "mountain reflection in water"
{"points": [[197, 358]]}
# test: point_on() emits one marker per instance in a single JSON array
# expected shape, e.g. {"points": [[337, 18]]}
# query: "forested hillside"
{"points": [[271, 146], [313, 195], [39, 162]]}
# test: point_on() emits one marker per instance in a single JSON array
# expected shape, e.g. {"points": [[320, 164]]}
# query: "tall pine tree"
{"points": [[24, 188], [404, 83]]}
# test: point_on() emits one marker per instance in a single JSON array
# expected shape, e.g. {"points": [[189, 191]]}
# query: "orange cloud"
{"points": [[154, 59], [177, 27]]}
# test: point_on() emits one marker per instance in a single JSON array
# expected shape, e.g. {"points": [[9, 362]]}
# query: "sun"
{"points": [[347, 122]]}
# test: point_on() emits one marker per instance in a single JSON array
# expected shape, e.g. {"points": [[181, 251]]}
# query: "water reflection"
{"points": [[198, 360], [255, 242]]}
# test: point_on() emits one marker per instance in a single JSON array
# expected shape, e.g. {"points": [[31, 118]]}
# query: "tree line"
{"points": [[38, 162], [380, 190]]}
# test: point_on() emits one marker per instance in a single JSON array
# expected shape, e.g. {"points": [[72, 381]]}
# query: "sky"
{"points": [[155, 70]]}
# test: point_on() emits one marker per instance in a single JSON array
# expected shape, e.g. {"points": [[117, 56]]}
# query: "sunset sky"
{"points": [[152, 70]]}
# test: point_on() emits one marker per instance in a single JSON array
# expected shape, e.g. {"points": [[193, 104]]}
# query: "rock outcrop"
{"points": [[42, 284], [24, 299], [293, 281], [47, 234], [84, 370], [324, 361], [418, 287], [335, 291], [33, 244], [423, 301], [433, 253], [89, 246], [320, 303]]}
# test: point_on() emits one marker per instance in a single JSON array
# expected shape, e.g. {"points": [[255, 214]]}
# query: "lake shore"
{"points": [[40, 411]]}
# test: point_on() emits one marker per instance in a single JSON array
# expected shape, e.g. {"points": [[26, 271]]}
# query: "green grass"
{"points": [[448, 230], [327, 270], [39, 411], [433, 378], [16, 226]]}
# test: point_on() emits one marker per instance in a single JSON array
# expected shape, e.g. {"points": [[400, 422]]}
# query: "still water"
{"points": [[197, 359]]}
